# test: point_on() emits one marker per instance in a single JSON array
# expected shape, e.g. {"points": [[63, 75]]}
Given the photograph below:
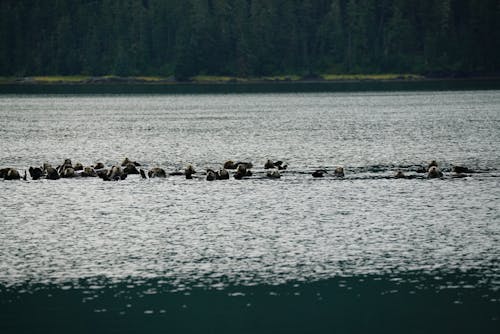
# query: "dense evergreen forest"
{"points": [[248, 37]]}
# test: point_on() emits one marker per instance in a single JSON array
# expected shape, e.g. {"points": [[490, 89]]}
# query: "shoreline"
{"points": [[220, 80]]}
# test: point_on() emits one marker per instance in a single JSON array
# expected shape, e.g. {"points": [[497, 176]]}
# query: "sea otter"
{"points": [[127, 161], [241, 171], [35, 172], [232, 165], [273, 174], [211, 175], [433, 163], [9, 174], [189, 171], [98, 165], [88, 172], [460, 169], [223, 174], [319, 173], [130, 169], [114, 174], [434, 172], [78, 166], [399, 175], [229, 165], [339, 172], [155, 172], [66, 164], [51, 173], [68, 172], [269, 164]]}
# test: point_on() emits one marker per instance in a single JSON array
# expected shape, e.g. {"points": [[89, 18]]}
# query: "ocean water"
{"points": [[363, 253]]}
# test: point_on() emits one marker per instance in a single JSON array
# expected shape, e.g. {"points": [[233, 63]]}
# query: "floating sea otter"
{"points": [[66, 164], [10, 174], [114, 174], [211, 175], [319, 173], [271, 164], [51, 173], [35, 172], [78, 166], [68, 172], [222, 174], [434, 172], [247, 165], [88, 172], [155, 172], [127, 161], [399, 175], [130, 169], [232, 165], [460, 169], [229, 165], [189, 171], [273, 174], [433, 163], [242, 171], [339, 172], [98, 165]]}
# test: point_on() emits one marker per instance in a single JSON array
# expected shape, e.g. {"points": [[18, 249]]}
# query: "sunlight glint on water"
{"points": [[258, 230]]}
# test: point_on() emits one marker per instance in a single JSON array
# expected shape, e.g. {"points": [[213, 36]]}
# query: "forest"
{"points": [[249, 38]]}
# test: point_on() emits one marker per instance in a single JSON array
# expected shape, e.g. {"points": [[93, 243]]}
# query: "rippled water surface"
{"points": [[256, 231]]}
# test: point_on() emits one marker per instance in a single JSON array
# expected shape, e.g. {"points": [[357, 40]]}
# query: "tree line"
{"points": [[248, 37]]}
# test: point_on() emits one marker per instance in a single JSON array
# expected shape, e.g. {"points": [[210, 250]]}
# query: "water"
{"points": [[364, 253]]}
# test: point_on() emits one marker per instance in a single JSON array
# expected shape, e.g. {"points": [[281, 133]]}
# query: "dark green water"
{"points": [[398, 303], [282, 87]]}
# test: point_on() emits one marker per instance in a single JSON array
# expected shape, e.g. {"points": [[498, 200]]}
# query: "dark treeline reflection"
{"points": [[295, 87], [398, 303], [248, 37]]}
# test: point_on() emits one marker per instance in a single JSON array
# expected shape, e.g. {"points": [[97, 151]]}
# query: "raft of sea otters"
{"points": [[239, 170]]}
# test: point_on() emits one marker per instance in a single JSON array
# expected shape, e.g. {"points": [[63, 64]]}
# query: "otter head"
{"points": [[399, 175], [223, 174], [189, 171], [89, 172], [229, 165], [155, 172], [434, 172], [211, 175], [433, 163], [68, 172], [269, 164], [339, 172], [99, 165], [126, 161]]}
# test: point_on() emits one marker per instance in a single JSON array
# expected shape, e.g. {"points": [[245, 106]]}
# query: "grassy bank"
{"points": [[205, 79]]}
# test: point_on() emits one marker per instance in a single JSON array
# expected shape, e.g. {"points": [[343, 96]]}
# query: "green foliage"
{"points": [[248, 38]]}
